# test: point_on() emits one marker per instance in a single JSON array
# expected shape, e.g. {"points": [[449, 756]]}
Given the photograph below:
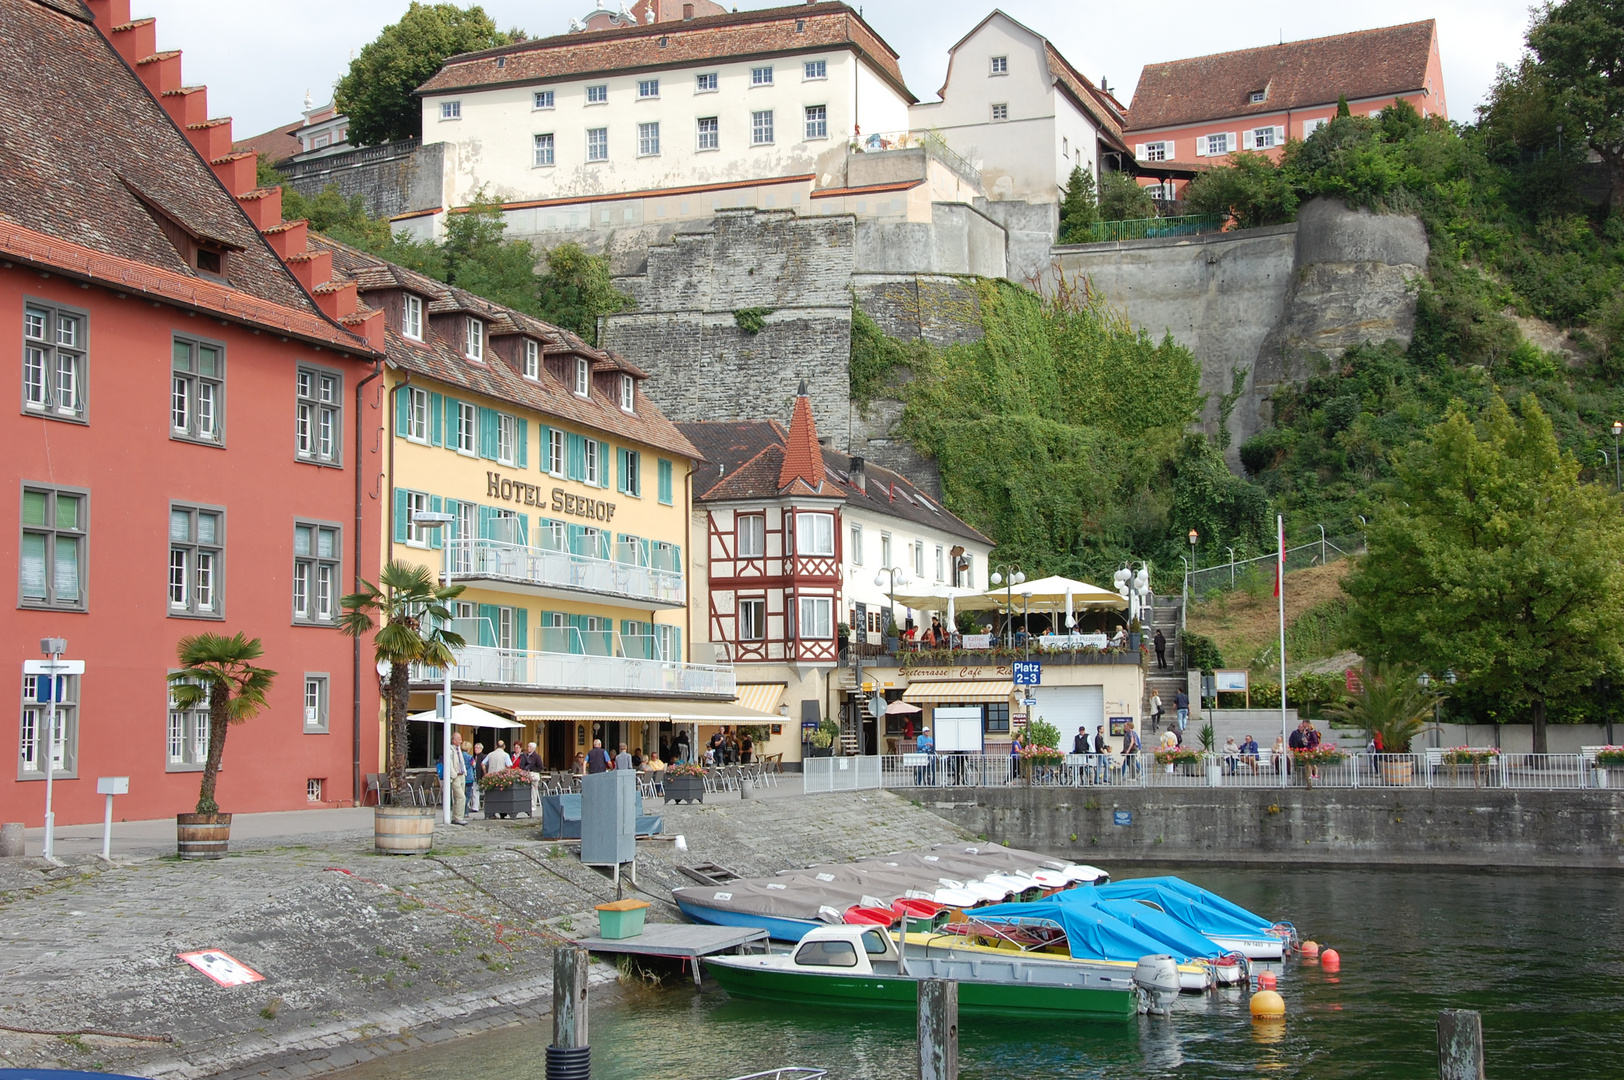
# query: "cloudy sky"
{"points": [[258, 60]]}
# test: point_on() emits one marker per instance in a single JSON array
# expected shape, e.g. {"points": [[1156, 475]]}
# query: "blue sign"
{"points": [[1028, 673], [1122, 817]]}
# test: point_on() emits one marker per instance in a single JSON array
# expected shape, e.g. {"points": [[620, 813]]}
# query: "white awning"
{"points": [[465, 715], [967, 690]]}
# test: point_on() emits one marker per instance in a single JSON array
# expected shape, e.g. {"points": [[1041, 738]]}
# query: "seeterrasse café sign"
{"points": [[563, 502], [980, 673]]}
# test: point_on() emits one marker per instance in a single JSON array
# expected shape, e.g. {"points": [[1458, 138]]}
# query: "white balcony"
{"points": [[564, 575], [525, 669]]}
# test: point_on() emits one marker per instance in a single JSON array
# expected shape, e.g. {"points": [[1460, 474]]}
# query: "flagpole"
{"points": [[1280, 592]]}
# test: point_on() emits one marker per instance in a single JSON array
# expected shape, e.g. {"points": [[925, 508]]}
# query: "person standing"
{"points": [[455, 773], [497, 760], [597, 759], [747, 748], [1130, 750], [927, 746], [1155, 711], [684, 750], [1181, 702], [623, 760], [1161, 650], [474, 800]]}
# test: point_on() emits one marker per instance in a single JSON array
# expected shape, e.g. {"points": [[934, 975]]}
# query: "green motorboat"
{"points": [[858, 967]]}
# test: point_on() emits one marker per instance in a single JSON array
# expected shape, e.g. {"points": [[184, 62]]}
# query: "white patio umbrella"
{"points": [[946, 598], [1051, 592]]}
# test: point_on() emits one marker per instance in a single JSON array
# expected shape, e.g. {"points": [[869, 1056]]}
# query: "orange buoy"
{"points": [[1266, 980], [1268, 1005], [1331, 960], [1310, 950]]}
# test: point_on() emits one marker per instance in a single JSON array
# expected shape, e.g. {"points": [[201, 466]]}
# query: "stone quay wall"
{"points": [[394, 178], [1432, 827]]}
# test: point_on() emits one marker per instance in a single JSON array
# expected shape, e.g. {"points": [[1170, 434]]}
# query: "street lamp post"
{"points": [[1194, 536], [1618, 429], [1008, 575], [1425, 681], [888, 579], [443, 522], [1026, 622], [53, 648]]}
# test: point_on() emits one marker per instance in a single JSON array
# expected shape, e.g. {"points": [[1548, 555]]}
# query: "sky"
{"points": [[258, 60]]}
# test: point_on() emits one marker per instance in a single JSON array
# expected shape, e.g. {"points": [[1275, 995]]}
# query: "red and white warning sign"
{"points": [[223, 968]]}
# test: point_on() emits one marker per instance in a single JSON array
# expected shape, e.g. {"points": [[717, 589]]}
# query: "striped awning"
{"points": [[761, 697], [934, 692]]}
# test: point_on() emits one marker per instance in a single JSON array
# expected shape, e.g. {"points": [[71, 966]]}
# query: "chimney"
{"points": [[859, 474], [687, 12]]}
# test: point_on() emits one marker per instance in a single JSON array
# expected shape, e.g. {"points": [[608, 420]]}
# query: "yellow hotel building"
{"points": [[570, 493]]}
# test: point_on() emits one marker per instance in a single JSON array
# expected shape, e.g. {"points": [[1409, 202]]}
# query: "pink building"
{"points": [[1197, 112]]}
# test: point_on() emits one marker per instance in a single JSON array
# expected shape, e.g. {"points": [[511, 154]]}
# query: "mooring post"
{"points": [[569, 1057], [1460, 1045], [938, 1029]]}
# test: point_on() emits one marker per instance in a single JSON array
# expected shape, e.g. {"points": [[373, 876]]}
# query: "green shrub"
{"points": [[1200, 652]]}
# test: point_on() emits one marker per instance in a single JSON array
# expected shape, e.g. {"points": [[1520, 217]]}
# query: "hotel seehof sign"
{"points": [[557, 499]]}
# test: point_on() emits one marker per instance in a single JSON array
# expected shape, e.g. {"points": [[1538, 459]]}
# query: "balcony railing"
{"points": [[549, 568], [534, 669], [928, 141], [1153, 228]]}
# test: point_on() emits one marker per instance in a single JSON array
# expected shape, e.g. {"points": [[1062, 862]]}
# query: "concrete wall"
{"points": [[1490, 827], [395, 178]]}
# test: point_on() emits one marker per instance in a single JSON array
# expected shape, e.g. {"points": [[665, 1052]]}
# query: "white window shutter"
{"points": [[1139, 151], [1279, 135], [1231, 142], [1200, 146]]}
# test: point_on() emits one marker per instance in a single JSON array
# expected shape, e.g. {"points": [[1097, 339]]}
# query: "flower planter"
{"points": [[508, 801], [621, 919], [820, 751], [202, 836], [1601, 776], [1215, 776], [403, 830], [1400, 773], [685, 789]]}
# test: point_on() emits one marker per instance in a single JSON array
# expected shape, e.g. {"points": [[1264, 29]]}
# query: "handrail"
{"points": [[880, 141], [484, 558]]}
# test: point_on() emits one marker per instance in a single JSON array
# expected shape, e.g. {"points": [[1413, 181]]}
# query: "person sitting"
{"points": [[1232, 754], [1120, 638], [1169, 740], [1281, 759], [1249, 752]]}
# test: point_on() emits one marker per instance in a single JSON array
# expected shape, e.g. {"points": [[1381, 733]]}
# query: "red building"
{"points": [[1188, 114], [195, 445]]}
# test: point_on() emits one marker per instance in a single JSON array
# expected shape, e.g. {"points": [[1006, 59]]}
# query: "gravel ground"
{"points": [[362, 954]]}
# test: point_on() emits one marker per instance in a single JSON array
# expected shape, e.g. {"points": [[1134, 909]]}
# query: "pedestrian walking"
{"points": [[1181, 702], [1161, 649], [1130, 750], [1155, 711], [597, 759]]}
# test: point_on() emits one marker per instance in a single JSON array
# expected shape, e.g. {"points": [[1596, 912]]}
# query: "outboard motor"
{"points": [[1157, 978]]}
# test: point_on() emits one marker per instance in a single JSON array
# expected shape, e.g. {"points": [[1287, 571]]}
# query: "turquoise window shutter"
{"points": [[603, 456], [487, 433], [451, 506], [436, 418], [620, 470], [523, 536], [403, 410], [436, 535], [578, 637], [575, 468], [487, 625], [524, 443], [521, 627], [676, 643], [451, 409], [664, 470], [544, 446], [400, 516], [573, 534], [486, 516]]}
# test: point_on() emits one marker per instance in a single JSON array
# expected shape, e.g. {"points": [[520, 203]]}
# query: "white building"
{"points": [[1021, 113], [743, 108]]}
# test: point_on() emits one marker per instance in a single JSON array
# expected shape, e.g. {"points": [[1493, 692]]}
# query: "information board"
{"points": [[957, 729]]}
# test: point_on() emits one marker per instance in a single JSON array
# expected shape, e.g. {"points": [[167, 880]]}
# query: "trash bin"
{"points": [[621, 919]]}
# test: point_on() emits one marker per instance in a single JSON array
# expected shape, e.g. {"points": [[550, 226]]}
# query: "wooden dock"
{"points": [[681, 941]]}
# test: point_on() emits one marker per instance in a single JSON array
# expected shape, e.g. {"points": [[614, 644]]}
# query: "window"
{"points": [[313, 785], [939, 565], [196, 560], [817, 122], [964, 571], [999, 65], [507, 439], [467, 418], [816, 613], [594, 462], [814, 534], [648, 88], [816, 69], [53, 362], [631, 473], [532, 359], [1000, 113], [316, 554], [1311, 126], [996, 717], [187, 737], [597, 95], [761, 76], [648, 139], [583, 377], [1215, 144], [542, 99], [761, 127], [709, 136], [752, 620], [316, 415], [1065, 148], [597, 144], [918, 560], [474, 345], [51, 572], [841, 954], [664, 471], [885, 551], [417, 502], [1261, 138], [411, 317], [197, 394], [854, 550], [706, 83], [752, 536], [450, 110], [315, 707], [555, 451], [417, 414], [1158, 151], [628, 393], [544, 150], [462, 556], [64, 738], [1258, 97]]}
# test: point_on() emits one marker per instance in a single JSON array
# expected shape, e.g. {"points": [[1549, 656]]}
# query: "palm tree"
{"points": [[415, 630], [219, 670], [1390, 702]]}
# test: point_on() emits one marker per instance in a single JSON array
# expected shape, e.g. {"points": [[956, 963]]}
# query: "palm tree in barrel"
{"points": [[219, 671], [408, 608]]}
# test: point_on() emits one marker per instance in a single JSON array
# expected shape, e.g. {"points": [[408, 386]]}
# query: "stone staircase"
{"points": [[1164, 616]]}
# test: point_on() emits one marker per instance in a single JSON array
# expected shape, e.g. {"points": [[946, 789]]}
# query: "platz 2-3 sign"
{"points": [[1028, 673]]}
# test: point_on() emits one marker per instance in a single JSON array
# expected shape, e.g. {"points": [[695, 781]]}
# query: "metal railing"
{"points": [[483, 559], [1429, 769], [591, 671], [928, 141], [1102, 232], [1225, 576]]}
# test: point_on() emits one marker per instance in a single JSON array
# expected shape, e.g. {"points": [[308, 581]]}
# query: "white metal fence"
{"points": [[1429, 769], [1237, 573], [482, 559]]}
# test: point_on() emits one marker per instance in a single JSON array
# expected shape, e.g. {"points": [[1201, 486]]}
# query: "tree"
{"points": [[1342, 109], [1579, 46], [576, 289], [377, 92], [1487, 555], [415, 630], [1122, 199], [219, 670], [1251, 190], [478, 259], [1390, 703], [1079, 206]]}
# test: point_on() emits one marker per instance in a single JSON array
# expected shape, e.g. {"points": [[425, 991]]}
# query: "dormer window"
{"points": [[211, 260], [1258, 97], [628, 392], [411, 318], [475, 346], [583, 377], [532, 359]]}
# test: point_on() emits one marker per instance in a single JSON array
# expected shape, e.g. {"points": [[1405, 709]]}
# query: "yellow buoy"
{"points": [[1268, 1005]]}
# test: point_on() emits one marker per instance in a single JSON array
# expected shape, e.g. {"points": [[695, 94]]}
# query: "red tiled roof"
{"points": [[277, 144], [1366, 64], [733, 36], [803, 457]]}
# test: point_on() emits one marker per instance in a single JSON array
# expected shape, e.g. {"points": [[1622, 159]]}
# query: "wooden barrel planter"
{"points": [[202, 836], [1399, 773], [403, 830]]}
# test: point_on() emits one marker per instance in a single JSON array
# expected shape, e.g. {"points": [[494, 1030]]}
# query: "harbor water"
{"points": [[1539, 955]]}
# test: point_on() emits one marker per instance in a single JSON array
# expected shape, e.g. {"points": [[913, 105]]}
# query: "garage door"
{"points": [[1070, 707]]}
